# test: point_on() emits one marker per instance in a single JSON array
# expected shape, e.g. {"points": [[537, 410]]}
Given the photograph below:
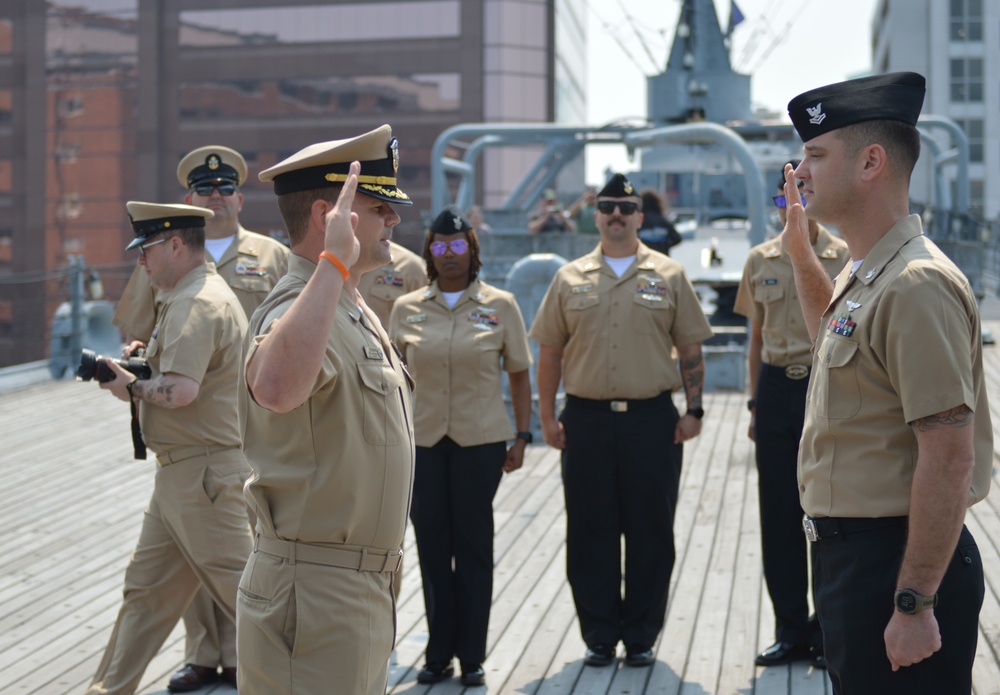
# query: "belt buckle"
{"points": [[796, 371], [809, 526], [619, 406]]}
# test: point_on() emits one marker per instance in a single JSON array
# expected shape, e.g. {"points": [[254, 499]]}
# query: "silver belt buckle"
{"points": [[619, 406], [809, 526], [796, 371]]}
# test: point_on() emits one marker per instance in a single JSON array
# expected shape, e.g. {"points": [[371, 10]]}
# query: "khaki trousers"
{"points": [[194, 533], [309, 629]]}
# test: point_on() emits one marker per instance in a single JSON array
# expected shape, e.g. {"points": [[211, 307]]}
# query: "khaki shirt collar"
{"points": [[594, 262], [824, 247], [882, 253], [472, 293]]}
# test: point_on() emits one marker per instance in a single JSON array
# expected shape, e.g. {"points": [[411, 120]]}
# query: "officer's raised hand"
{"points": [[341, 222], [795, 236]]}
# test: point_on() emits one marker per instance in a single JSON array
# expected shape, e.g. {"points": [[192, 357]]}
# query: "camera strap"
{"points": [[138, 446]]}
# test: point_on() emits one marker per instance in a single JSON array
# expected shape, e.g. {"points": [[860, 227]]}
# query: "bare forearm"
{"points": [[166, 390], [815, 290], [692, 373], [283, 370], [549, 374], [938, 497], [520, 397]]}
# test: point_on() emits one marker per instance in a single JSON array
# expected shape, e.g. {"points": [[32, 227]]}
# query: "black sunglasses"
{"points": [[608, 207], [224, 189]]}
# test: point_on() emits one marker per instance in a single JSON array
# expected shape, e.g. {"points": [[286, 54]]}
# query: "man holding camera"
{"points": [[194, 532], [250, 264]]}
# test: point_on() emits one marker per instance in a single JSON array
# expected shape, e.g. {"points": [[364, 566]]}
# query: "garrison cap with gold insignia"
{"points": [[449, 222], [212, 164], [327, 164], [149, 219], [896, 96], [617, 187]]}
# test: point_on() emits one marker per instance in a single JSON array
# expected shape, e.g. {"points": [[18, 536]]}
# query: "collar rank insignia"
{"points": [[842, 325], [871, 273], [478, 296], [484, 318], [373, 353]]}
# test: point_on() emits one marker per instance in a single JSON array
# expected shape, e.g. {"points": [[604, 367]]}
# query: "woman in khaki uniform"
{"points": [[455, 336]]}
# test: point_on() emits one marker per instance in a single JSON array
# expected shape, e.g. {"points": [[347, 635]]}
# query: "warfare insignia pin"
{"points": [[852, 305]]}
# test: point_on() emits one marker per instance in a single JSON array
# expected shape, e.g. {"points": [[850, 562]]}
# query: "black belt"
{"points": [[795, 372], [829, 527], [618, 406]]}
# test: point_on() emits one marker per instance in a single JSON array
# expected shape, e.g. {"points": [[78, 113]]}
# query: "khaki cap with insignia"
{"points": [[149, 219], [212, 164], [327, 164]]}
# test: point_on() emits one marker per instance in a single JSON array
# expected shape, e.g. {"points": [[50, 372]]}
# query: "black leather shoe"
{"points": [[818, 658], [192, 677], [229, 675], [600, 655], [473, 674], [783, 653], [639, 655], [435, 672]]}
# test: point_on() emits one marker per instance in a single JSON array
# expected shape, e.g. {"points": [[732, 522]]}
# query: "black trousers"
{"points": [[855, 581], [452, 514], [621, 472], [781, 407]]}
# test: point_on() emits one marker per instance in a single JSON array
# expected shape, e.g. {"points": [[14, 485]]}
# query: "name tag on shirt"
{"points": [[416, 318], [580, 289], [373, 353]]}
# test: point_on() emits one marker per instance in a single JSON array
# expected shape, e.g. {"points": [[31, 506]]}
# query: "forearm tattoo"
{"points": [[956, 417], [157, 391], [693, 373]]}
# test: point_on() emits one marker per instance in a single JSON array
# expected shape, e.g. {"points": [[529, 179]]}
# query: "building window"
{"points": [[966, 79], [966, 18], [70, 107], [973, 129]]}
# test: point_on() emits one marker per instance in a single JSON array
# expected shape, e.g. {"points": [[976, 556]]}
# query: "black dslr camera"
{"points": [[93, 366]]}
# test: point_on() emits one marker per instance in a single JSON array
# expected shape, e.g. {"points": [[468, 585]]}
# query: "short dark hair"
{"points": [[900, 140], [296, 207], [474, 260], [193, 237]]}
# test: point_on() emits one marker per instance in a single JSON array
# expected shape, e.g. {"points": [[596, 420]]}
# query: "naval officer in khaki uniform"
{"points": [[608, 327], [328, 431], [251, 265], [897, 441], [194, 533], [384, 285], [456, 337], [779, 356]]}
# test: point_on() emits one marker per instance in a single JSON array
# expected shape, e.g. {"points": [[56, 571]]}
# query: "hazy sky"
{"points": [[787, 46]]}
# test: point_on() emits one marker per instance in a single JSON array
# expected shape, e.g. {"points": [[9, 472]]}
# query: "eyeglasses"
{"points": [[142, 247], [781, 202], [224, 189], [457, 246], [608, 207]]}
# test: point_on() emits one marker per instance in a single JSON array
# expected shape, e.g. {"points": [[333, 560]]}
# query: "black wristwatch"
{"points": [[697, 413], [526, 436], [909, 601], [751, 404]]}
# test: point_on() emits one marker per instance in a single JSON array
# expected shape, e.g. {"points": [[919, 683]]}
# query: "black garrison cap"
{"points": [[449, 222], [896, 96], [617, 187]]}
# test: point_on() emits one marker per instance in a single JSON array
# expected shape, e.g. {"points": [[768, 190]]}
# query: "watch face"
{"points": [[906, 602]]}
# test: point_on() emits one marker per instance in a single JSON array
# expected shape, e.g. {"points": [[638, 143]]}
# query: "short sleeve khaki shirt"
{"points": [[618, 333], [381, 287], [339, 468], [767, 296], [455, 356], [900, 341], [251, 266], [198, 334]]}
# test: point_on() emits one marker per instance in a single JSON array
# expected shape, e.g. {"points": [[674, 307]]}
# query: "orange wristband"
{"points": [[337, 263]]}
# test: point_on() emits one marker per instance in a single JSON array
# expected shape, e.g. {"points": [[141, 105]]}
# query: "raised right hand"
{"points": [[341, 222], [795, 236]]}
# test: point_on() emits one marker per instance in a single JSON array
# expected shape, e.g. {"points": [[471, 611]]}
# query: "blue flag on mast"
{"points": [[735, 17]]}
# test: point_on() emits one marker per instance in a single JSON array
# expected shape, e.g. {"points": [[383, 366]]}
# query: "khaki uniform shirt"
{"points": [[198, 334], [381, 287], [767, 296], [251, 266], [900, 341], [339, 468], [455, 356], [618, 333]]}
